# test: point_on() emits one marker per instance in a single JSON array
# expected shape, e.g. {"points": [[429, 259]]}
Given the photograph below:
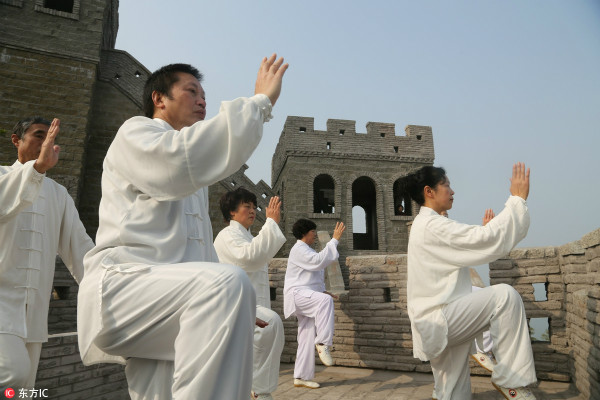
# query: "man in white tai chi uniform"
{"points": [[446, 315], [153, 294], [38, 219], [305, 297], [236, 245]]}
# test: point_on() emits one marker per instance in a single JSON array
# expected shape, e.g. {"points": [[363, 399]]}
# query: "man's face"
{"points": [[186, 103], [245, 214], [30, 144]]}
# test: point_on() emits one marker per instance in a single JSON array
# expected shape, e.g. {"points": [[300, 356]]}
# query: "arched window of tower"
{"points": [[324, 194], [364, 196], [402, 204]]}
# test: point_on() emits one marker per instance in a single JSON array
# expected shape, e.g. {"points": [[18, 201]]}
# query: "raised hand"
{"points": [[488, 216], [273, 210], [339, 229], [519, 183], [270, 76], [49, 153]]}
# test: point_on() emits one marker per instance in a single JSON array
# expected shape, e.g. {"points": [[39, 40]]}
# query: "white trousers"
{"points": [[198, 316], [153, 379], [499, 308], [268, 345], [315, 325], [486, 344], [18, 362]]}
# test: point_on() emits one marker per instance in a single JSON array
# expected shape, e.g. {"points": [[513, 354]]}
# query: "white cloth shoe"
{"points": [[324, 354], [521, 393], [264, 396], [306, 384], [486, 360]]}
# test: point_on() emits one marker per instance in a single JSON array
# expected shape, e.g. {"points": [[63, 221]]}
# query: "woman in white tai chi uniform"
{"points": [[305, 297], [236, 245], [445, 314]]}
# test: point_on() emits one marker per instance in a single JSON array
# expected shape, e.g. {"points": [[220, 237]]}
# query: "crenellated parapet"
{"points": [[341, 140]]}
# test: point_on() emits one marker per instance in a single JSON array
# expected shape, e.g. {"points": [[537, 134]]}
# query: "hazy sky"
{"points": [[498, 81]]}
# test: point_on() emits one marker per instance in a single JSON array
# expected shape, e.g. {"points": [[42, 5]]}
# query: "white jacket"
{"points": [[154, 207], [236, 245], [37, 219], [306, 272], [440, 251]]}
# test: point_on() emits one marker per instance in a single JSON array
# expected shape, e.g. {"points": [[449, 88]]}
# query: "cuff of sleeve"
{"points": [[334, 241], [35, 176], [517, 199], [265, 106]]}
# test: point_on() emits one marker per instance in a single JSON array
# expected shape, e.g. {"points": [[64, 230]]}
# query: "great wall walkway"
{"points": [[368, 384]]}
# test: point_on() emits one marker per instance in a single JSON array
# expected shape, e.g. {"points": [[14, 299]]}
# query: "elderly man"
{"points": [[153, 293], [236, 245], [37, 220]]}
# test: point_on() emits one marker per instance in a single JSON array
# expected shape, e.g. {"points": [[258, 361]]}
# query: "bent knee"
{"points": [[508, 293], [233, 278]]}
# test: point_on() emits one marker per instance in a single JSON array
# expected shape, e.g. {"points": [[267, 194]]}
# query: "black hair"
{"points": [[230, 201], [426, 176], [162, 80], [24, 124], [302, 227]]}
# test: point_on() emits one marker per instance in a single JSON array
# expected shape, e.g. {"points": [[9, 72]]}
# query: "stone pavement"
{"points": [[368, 384]]}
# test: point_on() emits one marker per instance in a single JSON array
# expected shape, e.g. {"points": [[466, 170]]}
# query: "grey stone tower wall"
{"points": [[303, 153], [48, 63]]}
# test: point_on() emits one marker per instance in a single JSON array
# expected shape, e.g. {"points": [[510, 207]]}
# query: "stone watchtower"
{"points": [[324, 175]]}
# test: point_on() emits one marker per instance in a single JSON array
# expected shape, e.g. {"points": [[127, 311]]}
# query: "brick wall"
{"points": [[580, 266], [571, 275], [78, 35], [66, 378], [35, 83]]}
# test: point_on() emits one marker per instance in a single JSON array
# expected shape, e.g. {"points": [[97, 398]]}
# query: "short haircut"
{"points": [[230, 201], [426, 176], [162, 81], [24, 124], [302, 227]]}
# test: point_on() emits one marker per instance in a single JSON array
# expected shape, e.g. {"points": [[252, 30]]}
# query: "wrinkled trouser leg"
{"points": [[268, 345], [498, 308], [149, 379], [314, 313], [18, 362], [200, 316]]}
